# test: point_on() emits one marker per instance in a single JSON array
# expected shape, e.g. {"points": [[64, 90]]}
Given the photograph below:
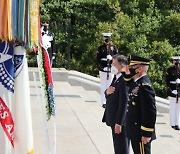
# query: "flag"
{"points": [[16, 135], [34, 22], [6, 98], [23, 134]]}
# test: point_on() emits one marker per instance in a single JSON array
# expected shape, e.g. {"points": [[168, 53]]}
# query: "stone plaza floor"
{"points": [[79, 129]]}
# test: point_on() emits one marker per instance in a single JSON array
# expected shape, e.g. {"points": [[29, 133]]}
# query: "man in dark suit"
{"points": [[141, 111], [116, 105]]}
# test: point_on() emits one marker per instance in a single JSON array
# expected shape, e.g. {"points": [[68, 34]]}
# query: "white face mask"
{"points": [[114, 70]]}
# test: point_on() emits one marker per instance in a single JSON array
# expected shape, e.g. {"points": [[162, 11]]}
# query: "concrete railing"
{"points": [[88, 82]]}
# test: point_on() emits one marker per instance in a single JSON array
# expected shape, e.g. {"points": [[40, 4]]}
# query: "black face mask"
{"points": [[177, 63], [45, 28], [127, 76], [107, 39], [132, 72]]}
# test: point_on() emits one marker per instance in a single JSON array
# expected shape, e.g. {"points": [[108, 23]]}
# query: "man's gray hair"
{"points": [[121, 59], [145, 68]]}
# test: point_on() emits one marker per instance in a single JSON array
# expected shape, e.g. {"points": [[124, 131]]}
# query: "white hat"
{"points": [[176, 57], [45, 24], [107, 34]]}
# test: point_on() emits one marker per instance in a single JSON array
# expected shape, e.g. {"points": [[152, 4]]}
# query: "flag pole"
{"points": [[55, 132], [39, 98]]}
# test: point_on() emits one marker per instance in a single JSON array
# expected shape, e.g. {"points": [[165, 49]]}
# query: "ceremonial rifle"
{"points": [[178, 80], [108, 60]]}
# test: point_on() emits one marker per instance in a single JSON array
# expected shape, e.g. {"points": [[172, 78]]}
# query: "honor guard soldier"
{"points": [[104, 60], [141, 110], [173, 90], [48, 41]]}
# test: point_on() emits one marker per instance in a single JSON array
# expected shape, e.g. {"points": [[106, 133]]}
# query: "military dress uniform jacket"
{"points": [[141, 110], [102, 55], [171, 77], [116, 104], [49, 43]]}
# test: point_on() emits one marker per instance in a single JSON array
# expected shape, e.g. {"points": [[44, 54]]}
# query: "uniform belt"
{"points": [[173, 82], [104, 59]]}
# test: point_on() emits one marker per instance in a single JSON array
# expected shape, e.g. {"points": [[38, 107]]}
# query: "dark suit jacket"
{"points": [[116, 104], [141, 115]]}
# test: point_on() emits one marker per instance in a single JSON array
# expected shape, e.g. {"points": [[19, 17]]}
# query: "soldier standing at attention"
{"points": [[104, 60], [48, 42], [173, 84], [141, 111]]}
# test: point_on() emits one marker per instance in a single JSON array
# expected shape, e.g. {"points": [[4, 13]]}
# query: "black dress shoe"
{"points": [[177, 127], [104, 105], [174, 127]]}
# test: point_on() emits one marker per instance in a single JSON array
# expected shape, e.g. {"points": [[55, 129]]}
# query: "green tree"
{"points": [[148, 28], [161, 53]]}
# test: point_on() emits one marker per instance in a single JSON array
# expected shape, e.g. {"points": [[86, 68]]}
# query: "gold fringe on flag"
{"points": [[5, 20], [34, 23]]}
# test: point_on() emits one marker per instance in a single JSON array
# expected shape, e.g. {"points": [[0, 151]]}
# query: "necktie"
{"points": [[114, 79]]}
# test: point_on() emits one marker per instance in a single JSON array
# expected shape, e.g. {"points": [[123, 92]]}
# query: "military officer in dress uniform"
{"points": [[141, 110], [104, 60], [173, 84], [48, 41]]}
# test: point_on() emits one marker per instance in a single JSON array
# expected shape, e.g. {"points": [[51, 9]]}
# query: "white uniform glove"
{"points": [[174, 92], [105, 69], [178, 81], [53, 57], [109, 57]]}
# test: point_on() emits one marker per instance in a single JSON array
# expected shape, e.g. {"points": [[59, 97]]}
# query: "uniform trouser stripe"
{"points": [[141, 147]]}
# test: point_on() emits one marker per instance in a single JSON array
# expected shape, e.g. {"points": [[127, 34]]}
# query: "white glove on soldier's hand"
{"points": [[178, 81], [105, 69], [109, 57], [53, 57], [174, 92]]}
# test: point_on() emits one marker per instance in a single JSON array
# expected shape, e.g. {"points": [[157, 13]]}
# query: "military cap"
{"points": [[107, 34], [45, 24], [136, 60], [176, 57]]}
